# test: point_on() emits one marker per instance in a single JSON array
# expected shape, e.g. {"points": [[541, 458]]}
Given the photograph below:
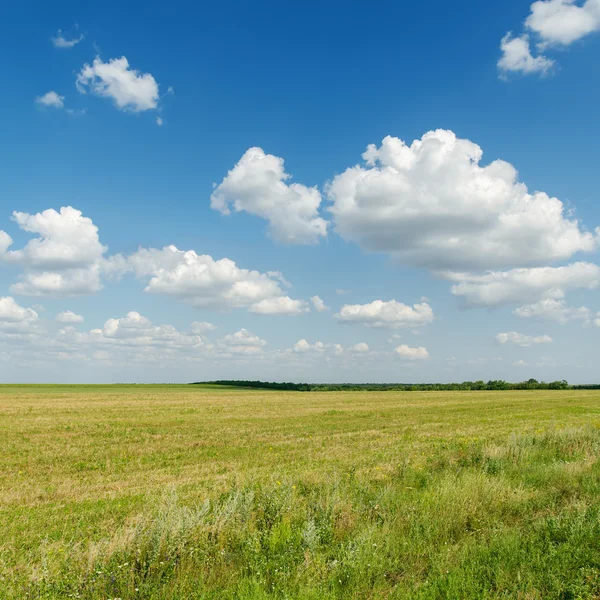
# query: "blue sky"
{"points": [[435, 263]]}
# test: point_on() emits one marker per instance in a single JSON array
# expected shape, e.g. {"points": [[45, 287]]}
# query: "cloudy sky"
{"points": [[330, 192]]}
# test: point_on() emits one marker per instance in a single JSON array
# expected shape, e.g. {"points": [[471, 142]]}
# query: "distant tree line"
{"points": [[498, 384], [268, 385]]}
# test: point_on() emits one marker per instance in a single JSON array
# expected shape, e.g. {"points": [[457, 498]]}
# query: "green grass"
{"points": [[190, 492]]}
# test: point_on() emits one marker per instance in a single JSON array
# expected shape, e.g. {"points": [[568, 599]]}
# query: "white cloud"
{"points": [[553, 23], [128, 88], [321, 351], [128, 340], [51, 99], [523, 285], [202, 327], [14, 318], [69, 316], [132, 338], [302, 346], [71, 282], [597, 320], [319, 304], [563, 21], [433, 205], [66, 239], [59, 40], [550, 309], [520, 363], [409, 353], [279, 276], [243, 338], [257, 185], [241, 343], [64, 259], [280, 305], [76, 113], [137, 329], [159, 121], [133, 325], [241, 350], [521, 340], [360, 348], [5, 242], [516, 56], [201, 281], [390, 314], [341, 292]]}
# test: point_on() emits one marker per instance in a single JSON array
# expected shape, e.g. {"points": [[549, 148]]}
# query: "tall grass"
{"points": [[178, 493], [515, 520]]}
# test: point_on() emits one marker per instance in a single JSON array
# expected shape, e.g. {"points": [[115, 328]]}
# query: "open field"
{"points": [[193, 492]]}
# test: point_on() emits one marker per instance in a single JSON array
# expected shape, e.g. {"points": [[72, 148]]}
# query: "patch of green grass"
{"points": [[192, 492]]}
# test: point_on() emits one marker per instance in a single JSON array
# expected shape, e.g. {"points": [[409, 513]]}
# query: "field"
{"points": [[189, 492]]}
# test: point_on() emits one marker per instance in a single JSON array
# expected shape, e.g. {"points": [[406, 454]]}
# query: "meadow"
{"points": [[206, 492]]}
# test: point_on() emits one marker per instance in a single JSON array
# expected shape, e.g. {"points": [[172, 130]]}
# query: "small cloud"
{"points": [[201, 327], [243, 338], [259, 185], [51, 99], [302, 346], [128, 88], [382, 314], [342, 292], [553, 309], [280, 305], [409, 353], [76, 112], [279, 276], [520, 363], [59, 40], [69, 316], [518, 339], [360, 348], [159, 121], [516, 56], [319, 304]]}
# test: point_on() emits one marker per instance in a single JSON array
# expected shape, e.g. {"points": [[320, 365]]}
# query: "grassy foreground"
{"points": [[189, 492]]}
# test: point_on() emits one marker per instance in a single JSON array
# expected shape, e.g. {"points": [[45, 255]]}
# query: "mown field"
{"points": [[189, 492]]}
